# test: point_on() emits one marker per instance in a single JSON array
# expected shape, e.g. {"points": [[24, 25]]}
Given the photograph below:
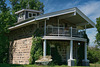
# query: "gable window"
{"points": [[20, 15], [31, 14], [34, 14]]}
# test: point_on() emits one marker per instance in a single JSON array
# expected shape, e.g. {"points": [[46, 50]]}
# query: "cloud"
{"points": [[91, 34], [51, 7], [91, 9]]}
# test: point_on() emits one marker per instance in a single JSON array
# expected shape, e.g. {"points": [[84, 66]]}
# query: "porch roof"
{"points": [[73, 15]]}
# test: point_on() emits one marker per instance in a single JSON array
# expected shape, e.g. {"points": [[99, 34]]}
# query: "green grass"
{"points": [[14, 65]]}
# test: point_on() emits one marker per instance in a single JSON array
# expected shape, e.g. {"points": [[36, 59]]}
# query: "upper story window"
{"points": [[21, 15], [31, 14]]}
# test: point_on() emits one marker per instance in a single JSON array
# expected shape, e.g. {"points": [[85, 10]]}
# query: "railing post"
{"points": [[71, 32], [80, 33]]}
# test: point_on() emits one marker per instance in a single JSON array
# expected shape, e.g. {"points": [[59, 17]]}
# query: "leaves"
{"points": [[6, 19], [36, 49], [98, 30], [93, 54], [22, 4]]}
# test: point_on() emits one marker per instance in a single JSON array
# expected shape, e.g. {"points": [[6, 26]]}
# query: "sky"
{"points": [[90, 8]]}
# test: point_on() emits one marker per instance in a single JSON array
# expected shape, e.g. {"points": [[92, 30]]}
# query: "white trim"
{"points": [[27, 10], [64, 38], [71, 49], [85, 17], [21, 24], [44, 48]]}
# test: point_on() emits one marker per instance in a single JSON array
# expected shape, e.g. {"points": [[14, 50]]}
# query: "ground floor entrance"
{"points": [[68, 52], [63, 49]]}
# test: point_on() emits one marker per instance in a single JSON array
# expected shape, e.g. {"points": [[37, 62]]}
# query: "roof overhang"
{"points": [[72, 12]]}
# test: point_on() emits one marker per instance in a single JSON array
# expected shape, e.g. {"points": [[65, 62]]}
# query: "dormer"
{"points": [[27, 14]]}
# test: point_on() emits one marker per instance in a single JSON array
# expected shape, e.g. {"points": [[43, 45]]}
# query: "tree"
{"points": [[98, 30], [23, 4], [6, 19]]}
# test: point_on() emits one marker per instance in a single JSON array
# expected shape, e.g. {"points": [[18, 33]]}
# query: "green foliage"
{"points": [[75, 62], [93, 54], [38, 32], [3, 6], [4, 48], [6, 19], [23, 4], [55, 55], [98, 30], [36, 49]]}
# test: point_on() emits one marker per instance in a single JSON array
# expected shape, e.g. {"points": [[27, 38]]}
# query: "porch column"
{"points": [[44, 48], [71, 61], [44, 42], [71, 49], [85, 51], [85, 61]]}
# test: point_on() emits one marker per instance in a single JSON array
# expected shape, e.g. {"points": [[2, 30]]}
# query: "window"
{"points": [[21, 15], [31, 14], [34, 14]]}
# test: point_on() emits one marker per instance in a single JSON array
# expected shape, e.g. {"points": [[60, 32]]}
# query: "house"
{"points": [[65, 27]]}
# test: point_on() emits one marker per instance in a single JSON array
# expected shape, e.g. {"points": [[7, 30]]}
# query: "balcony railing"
{"points": [[61, 31]]}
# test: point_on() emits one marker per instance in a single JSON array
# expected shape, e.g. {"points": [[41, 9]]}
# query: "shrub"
{"points": [[36, 49], [93, 54]]}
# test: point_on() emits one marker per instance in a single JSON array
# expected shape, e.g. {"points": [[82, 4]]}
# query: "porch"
{"points": [[67, 51]]}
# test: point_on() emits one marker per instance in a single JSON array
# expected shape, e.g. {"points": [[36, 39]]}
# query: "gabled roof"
{"points": [[31, 10], [57, 13]]}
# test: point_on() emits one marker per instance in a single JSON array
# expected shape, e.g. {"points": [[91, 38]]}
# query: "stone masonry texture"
{"points": [[20, 44]]}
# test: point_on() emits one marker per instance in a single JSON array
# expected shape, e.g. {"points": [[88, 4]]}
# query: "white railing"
{"points": [[61, 31]]}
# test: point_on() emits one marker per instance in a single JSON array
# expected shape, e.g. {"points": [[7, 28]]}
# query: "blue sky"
{"points": [[90, 8]]}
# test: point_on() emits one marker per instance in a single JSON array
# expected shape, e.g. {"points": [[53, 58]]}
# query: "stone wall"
{"points": [[20, 44], [63, 48]]}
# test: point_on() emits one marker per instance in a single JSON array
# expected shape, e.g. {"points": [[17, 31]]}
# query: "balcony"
{"points": [[62, 31]]}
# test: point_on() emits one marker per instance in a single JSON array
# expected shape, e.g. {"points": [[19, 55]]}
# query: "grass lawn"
{"points": [[13, 65]]}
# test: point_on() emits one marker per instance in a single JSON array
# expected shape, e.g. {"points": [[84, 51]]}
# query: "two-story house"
{"points": [[65, 27]]}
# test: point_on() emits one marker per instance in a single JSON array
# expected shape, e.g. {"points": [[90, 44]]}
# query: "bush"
{"points": [[36, 49], [93, 54], [4, 48]]}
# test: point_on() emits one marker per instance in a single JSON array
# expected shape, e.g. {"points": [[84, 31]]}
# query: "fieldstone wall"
{"points": [[20, 44], [64, 49]]}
